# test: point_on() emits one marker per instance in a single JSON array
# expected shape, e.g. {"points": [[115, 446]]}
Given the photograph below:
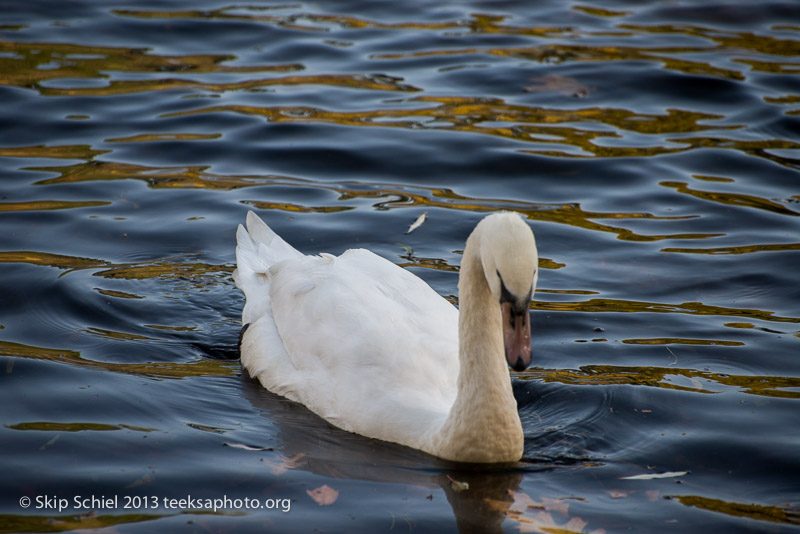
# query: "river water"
{"points": [[652, 146]]}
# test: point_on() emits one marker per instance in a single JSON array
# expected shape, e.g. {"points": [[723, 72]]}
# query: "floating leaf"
{"points": [[284, 464], [533, 516], [324, 495], [457, 485]]}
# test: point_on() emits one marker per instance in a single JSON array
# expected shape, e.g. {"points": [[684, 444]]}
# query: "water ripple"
{"points": [[651, 146]]}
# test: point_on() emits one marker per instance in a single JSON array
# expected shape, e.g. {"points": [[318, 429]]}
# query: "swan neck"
{"points": [[480, 330], [483, 424]]}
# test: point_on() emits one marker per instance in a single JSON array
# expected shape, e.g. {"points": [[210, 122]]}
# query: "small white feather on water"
{"points": [[246, 447], [416, 224], [651, 476]]}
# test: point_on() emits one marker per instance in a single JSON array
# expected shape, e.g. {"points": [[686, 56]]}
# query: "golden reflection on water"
{"points": [[45, 205], [661, 377], [75, 522], [124, 87], [575, 128], [737, 42], [551, 132], [174, 268], [774, 514], [741, 249], [149, 138], [560, 53], [732, 199], [682, 341], [48, 426], [388, 196], [529, 124], [198, 367], [587, 132], [29, 64], [762, 44], [599, 305], [165, 269], [81, 152], [601, 12], [476, 23]]}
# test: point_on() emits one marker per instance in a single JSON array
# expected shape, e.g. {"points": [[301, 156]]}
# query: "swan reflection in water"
{"points": [[479, 494]]}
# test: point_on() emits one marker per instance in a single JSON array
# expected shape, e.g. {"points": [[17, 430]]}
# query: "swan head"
{"points": [[510, 264]]}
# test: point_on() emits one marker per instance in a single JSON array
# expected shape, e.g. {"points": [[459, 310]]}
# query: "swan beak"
{"points": [[517, 336]]}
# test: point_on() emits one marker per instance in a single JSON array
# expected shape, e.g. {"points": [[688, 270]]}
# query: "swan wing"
{"points": [[360, 341]]}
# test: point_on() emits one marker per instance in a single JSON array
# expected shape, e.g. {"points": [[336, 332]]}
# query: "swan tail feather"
{"points": [[271, 248], [258, 248]]}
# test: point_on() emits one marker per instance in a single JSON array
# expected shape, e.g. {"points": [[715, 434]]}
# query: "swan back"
{"points": [[358, 340]]}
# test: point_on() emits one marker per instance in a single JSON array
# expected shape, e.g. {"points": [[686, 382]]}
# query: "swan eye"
{"points": [[519, 306]]}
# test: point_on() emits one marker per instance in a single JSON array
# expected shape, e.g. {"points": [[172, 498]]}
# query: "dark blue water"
{"points": [[653, 147]]}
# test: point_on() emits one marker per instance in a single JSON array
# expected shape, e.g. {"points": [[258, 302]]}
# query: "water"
{"points": [[652, 146]]}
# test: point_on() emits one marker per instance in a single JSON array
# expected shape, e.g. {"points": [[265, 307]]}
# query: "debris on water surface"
{"points": [[246, 447], [457, 485], [323, 495], [416, 224], [651, 476]]}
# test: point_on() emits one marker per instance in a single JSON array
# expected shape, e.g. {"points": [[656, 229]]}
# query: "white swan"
{"points": [[374, 350]]}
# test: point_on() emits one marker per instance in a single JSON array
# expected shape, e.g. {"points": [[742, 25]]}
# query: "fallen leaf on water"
{"points": [[533, 516], [651, 476], [523, 502], [618, 494], [652, 495], [323, 495], [416, 224], [457, 485], [556, 505], [284, 464]]}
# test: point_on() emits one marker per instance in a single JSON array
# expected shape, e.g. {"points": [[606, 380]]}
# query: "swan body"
{"points": [[374, 350]]}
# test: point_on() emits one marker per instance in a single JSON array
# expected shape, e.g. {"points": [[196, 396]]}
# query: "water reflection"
{"points": [[395, 195], [529, 124], [664, 377], [597, 375], [22, 65], [480, 496], [652, 147], [197, 367], [476, 23], [374, 82], [775, 514], [71, 522], [732, 199]]}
